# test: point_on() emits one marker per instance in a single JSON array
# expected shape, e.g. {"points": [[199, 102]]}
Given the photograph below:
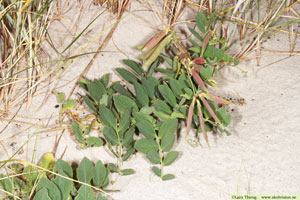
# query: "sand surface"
{"points": [[262, 156]]}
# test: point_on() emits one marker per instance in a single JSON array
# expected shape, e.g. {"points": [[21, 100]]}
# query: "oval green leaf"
{"points": [[85, 170], [110, 135], [145, 145], [154, 157], [167, 142], [167, 94], [122, 103], [168, 126], [107, 117], [146, 128], [170, 158]]}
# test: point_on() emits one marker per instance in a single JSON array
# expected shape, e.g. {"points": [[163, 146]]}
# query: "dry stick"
{"points": [[83, 73], [273, 63], [12, 119]]}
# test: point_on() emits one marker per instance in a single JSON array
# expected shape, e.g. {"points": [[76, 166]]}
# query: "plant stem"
{"points": [[160, 155]]}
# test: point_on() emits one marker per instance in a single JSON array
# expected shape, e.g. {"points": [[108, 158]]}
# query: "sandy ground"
{"points": [[260, 157]]}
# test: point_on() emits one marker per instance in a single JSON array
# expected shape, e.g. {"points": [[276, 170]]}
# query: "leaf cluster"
{"points": [[142, 113], [60, 182]]}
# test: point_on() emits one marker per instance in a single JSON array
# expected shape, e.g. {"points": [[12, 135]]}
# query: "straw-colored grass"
{"points": [[23, 28]]}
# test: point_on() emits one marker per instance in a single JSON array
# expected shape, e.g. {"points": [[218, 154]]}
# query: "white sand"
{"points": [[262, 156]]}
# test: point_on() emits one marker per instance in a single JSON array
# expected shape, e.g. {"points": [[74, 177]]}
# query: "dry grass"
{"points": [[23, 28]]}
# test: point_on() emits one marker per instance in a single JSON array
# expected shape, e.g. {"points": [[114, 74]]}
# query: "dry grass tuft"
{"points": [[23, 28]]}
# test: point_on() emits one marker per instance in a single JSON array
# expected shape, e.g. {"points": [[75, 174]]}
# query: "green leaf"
{"points": [[167, 142], [168, 177], [30, 175], [167, 72], [61, 97], [53, 190], [107, 117], [206, 72], [61, 165], [128, 153], [94, 141], [167, 93], [96, 90], [126, 75], [16, 168], [153, 156], [100, 174], [195, 49], [150, 84], [112, 167], [176, 114], [42, 194], [156, 171], [147, 110], [141, 94], [110, 135], [167, 59], [100, 197], [201, 21], [145, 145], [121, 89], [6, 183], [161, 115], [88, 129], [236, 61], [189, 93], [212, 52], [176, 87], [194, 43], [105, 79], [128, 137], [223, 116], [125, 120], [83, 83], [105, 99], [168, 126], [138, 116], [65, 186], [90, 104], [85, 170], [122, 103], [68, 105], [195, 34], [85, 193], [160, 105], [136, 67], [47, 161], [77, 131], [170, 158], [126, 172], [146, 128]]}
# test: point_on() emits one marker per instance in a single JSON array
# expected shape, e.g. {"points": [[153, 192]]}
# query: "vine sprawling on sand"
{"points": [[143, 112], [144, 118]]}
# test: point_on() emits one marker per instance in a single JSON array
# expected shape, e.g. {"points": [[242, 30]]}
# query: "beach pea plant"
{"points": [[190, 72], [145, 111], [55, 180], [113, 112], [142, 112]]}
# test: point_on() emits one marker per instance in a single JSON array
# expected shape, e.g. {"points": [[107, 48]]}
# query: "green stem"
{"points": [[160, 155], [119, 152]]}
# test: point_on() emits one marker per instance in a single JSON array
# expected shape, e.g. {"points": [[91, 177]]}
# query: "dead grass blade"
{"points": [[202, 123], [198, 79], [189, 118]]}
